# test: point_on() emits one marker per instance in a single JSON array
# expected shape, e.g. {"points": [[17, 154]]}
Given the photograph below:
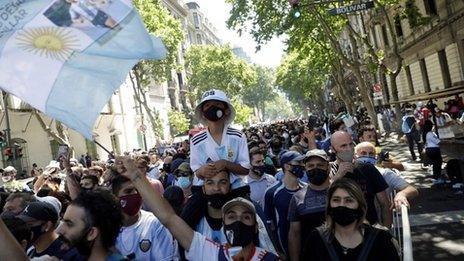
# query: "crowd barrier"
{"points": [[402, 231]]}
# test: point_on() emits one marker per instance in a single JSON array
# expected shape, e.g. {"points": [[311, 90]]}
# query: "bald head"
{"points": [[365, 149], [340, 139]]}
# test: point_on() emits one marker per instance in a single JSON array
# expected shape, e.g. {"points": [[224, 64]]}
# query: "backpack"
{"points": [[405, 127], [455, 170]]}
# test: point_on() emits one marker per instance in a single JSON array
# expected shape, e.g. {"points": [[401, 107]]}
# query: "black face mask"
{"points": [[166, 167], [259, 170], [217, 200], [36, 232], [214, 113], [344, 216], [239, 234], [317, 176]]}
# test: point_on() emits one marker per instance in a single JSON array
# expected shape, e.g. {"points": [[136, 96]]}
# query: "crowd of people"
{"points": [[313, 189]]}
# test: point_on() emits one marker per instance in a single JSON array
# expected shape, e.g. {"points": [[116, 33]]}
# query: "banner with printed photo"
{"points": [[67, 57]]}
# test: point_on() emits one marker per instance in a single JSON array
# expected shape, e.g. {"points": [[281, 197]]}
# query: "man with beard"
{"points": [[142, 236], [92, 223], [239, 221], [307, 207], [89, 182], [41, 218], [257, 179]]}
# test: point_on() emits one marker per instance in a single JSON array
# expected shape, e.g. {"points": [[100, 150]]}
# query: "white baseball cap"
{"points": [[214, 95]]}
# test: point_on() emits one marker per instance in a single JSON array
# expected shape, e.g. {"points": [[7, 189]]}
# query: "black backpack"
{"points": [[455, 170]]}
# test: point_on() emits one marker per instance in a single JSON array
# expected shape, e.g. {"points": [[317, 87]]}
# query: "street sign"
{"points": [[377, 91], [351, 8]]}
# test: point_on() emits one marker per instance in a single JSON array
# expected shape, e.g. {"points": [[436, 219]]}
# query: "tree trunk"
{"points": [[366, 97], [397, 109], [54, 135], [141, 98]]}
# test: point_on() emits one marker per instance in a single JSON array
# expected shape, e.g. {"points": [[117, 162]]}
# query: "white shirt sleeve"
{"points": [[394, 181], [202, 248], [432, 140], [195, 163], [243, 157]]}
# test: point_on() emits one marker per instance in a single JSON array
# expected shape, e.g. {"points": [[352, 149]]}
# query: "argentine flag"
{"points": [[67, 57]]}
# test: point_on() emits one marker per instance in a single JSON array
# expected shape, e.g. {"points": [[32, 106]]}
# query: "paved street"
{"points": [[436, 216]]}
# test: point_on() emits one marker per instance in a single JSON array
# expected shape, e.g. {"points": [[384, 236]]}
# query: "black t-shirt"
{"points": [[57, 249], [371, 182], [383, 248]]}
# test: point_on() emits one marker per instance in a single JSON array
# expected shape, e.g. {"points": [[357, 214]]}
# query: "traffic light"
{"points": [[295, 4], [8, 153], [2, 139]]}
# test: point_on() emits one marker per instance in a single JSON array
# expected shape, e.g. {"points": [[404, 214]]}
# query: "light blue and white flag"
{"points": [[67, 57]]}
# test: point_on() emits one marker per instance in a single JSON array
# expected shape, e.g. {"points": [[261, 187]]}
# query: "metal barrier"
{"points": [[402, 231]]}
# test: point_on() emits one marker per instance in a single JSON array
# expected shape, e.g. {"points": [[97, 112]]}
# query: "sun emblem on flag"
{"points": [[50, 42]]}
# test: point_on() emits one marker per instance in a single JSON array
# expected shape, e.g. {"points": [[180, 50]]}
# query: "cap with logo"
{"points": [[214, 95], [42, 211]]}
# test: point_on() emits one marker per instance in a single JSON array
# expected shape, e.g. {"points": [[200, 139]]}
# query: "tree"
{"points": [[279, 109], [243, 113], [179, 122], [160, 23], [269, 18], [261, 91], [216, 67]]}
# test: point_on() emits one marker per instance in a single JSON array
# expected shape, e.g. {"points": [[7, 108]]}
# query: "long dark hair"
{"points": [[428, 126], [355, 191]]}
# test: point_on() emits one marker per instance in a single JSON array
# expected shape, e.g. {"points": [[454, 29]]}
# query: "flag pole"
{"points": [[105, 149]]}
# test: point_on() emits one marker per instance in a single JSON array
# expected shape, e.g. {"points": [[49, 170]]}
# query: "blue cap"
{"points": [[290, 156]]}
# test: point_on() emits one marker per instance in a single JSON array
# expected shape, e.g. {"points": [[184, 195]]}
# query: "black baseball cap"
{"points": [[42, 211]]}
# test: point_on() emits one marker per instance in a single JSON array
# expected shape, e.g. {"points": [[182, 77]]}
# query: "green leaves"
{"points": [[178, 121], [160, 23], [216, 67]]}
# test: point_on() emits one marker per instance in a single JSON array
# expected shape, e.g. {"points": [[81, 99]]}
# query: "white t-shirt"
{"points": [[233, 148], [203, 248], [393, 179], [147, 239], [432, 140], [218, 236]]}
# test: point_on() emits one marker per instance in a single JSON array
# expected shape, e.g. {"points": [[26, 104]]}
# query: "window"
{"points": [[385, 36], [425, 75], [409, 79], [181, 81], [444, 68], [374, 36], [199, 41], [115, 144], [398, 28], [196, 20], [430, 7]]}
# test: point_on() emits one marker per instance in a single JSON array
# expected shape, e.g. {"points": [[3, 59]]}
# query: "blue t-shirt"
{"points": [[276, 202]]}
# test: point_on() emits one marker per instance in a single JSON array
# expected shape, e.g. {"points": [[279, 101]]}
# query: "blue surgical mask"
{"points": [[184, 182], [367, 160]]}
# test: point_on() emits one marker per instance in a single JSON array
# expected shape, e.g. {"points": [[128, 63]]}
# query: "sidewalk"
{"points": [[436, 215]]}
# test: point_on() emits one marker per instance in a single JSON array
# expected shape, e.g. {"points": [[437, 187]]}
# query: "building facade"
{"points": [[432, 49]]}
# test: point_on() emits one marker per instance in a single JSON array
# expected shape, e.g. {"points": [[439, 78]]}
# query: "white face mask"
{"points": [[285, 135], [6, 179]]}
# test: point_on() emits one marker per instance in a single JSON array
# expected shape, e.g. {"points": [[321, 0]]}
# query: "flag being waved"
{"points": [[67, 57]]}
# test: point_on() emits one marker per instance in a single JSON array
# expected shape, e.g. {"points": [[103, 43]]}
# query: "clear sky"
{"points": [[217, 12]]}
